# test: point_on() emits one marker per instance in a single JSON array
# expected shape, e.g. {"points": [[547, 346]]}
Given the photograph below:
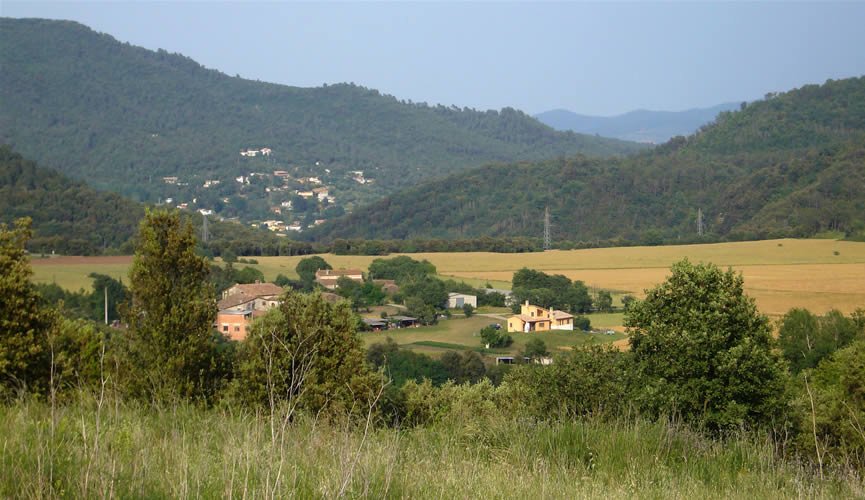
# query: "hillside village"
{"points": [[286, 198]]}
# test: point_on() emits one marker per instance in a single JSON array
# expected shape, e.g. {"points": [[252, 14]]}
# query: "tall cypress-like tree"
{"points": [[172, 348], [24, 354]]}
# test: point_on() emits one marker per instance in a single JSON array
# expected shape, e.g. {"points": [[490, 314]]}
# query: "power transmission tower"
{"points": [[205, 234], [700, 222], [547, 228]]}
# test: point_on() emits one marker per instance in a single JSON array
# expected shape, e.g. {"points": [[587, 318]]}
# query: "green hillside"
{"points": [[68, 216], [122, 117], [72, 218], [792, 164]]}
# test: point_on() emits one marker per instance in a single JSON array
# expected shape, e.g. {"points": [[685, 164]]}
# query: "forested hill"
{"points": [[122, 117], [72, 218], [792, 164], [68, 216]]}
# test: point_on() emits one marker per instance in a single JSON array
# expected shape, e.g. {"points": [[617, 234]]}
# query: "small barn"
{"points": [[458, 300]]}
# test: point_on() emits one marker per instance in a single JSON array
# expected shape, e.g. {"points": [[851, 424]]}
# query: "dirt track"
{"points": [[74, 260]]}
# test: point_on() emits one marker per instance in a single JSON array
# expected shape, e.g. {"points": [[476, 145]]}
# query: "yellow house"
{"points": [[531, 319], [538, 319]]}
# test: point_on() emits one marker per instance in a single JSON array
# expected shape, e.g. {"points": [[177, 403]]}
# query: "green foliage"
{"points": [[535, 349], [595, 380], [806, 339], [468, 310], [425, 313], [493, 338], [307, 267], [831, 404], [90, 305], [282, 280], [627, 300], [171, 349], [123, 117], [467, 366], [226, 277], [68, 217], [549, 291], [704, 351], [402, 269], [402, 365], [786, 166], [604, 301], [582, 323], [24, 324], [361, 295], [81, 356], [228, 256], [431, 291], [305, 353], [470, 449]]}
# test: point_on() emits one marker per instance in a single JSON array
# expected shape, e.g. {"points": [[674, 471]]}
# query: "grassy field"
{"points": [[84, 450], [818, 274], [460, 333], [73, 273]]}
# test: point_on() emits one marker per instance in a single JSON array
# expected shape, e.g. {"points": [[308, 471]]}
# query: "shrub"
{"points": [[495, 338], [307, 353], [594, 380], [704, 351], [837, 389]]}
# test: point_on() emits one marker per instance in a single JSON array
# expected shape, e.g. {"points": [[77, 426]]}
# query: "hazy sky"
{"points": [[593, 58]]}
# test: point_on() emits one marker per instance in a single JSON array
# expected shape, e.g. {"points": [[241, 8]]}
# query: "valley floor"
{"points": [[817, 274]]}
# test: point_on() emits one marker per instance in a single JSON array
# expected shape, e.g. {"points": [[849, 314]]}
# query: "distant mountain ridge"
{"points": [[641, 125], [791, 165], [123, 118]]}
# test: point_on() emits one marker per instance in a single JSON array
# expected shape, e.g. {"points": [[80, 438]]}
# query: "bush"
{"points": [[535, 349], [705, 352], [594, 380], [837, 387], [492, 338], [805, 339], [305, 352]]}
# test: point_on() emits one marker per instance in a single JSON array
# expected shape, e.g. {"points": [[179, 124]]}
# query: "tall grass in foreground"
{"points": [[86, 449]]}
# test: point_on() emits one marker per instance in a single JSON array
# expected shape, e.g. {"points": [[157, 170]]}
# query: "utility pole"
{"points": [[205, 235], [547, 228], [106, 305], [700, 222]]}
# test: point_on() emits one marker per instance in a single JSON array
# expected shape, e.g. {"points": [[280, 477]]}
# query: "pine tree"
{"points": [[171, 343]]}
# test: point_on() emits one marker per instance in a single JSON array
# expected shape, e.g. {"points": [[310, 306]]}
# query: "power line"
{"points": [[205, 234], [547, 229], [700, 222]]}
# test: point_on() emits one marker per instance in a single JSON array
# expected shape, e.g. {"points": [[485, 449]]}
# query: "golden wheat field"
{"points": [[780, 274]]}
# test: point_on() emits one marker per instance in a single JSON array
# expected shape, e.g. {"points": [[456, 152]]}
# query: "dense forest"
{"points": [[792, 164], [68, 216], [122, 117], [72, 218]]}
